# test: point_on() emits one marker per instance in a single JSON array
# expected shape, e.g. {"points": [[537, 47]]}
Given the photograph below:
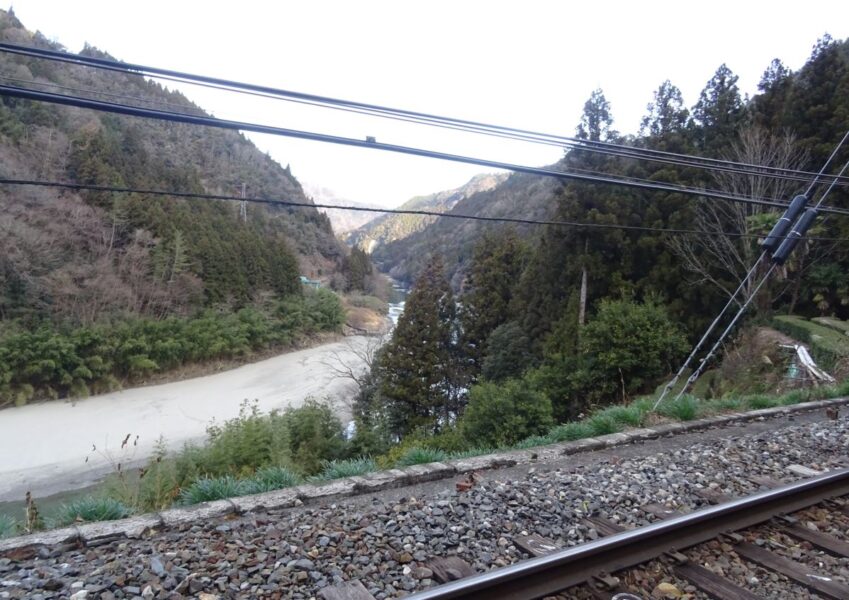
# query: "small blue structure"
{"points": [[310, 282]]}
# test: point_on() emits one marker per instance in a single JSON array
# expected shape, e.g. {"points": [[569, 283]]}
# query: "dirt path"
{"points": [[47, 448]]}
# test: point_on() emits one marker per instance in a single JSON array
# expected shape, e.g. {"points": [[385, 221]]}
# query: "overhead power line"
{"points": [[609, 148], [112, 107], [392, 211]]}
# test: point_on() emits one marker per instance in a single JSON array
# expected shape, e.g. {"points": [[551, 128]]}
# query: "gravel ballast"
{"points": [[386, 539]]}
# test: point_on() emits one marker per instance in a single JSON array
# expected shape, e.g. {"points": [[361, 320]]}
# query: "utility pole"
{"points": [[243, 206]]}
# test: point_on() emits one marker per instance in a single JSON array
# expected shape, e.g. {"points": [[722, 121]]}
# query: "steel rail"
{"points": [[563, 569]]}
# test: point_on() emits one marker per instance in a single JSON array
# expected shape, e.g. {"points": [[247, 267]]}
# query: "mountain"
{"points": [[390, 228], [517, 196], [342, 221], [83, 256]]}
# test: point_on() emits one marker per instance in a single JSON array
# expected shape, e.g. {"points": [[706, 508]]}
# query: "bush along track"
{"points": [[282, 486]]}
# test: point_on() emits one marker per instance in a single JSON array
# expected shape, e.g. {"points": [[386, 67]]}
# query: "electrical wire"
{"points": [[414, 116], [392, 211], [257, 128]]}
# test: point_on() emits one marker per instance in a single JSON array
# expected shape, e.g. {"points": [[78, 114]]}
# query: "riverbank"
{"points": [[59, 446]]}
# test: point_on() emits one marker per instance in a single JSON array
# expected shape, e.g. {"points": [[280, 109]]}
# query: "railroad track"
{"points": [[600, 569]]}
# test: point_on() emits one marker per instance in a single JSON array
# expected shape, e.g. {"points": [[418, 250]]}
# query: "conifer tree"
{"points": [[420, 386], [496, 266]]}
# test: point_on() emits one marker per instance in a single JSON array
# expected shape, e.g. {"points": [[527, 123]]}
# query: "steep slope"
{"points": [[519, 196], [83, 257], [390, 228], [343, 221]]}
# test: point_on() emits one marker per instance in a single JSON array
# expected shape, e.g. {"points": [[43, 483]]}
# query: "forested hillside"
{"points": [[375, 235], [75, 260], [554, 321]]}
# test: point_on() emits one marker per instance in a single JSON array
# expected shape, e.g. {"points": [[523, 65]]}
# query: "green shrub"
{"points": [[569, 432], [315, 436], [89, 510], [243, 444], [501, 415], [8, 526], [685, 408], [208, 489], [48, 363], [421, 456], [267, 479], [337, 469]]}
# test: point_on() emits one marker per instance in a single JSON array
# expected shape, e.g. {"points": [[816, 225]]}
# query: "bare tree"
{"points": [[356, 361], [724, 256]]}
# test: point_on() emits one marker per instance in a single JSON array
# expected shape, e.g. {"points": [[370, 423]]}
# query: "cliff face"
{"points": [[518, 196], [390, 228]]}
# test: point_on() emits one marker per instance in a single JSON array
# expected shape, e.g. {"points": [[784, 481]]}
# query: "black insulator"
{"points": [[786, 248], [776, 236]]}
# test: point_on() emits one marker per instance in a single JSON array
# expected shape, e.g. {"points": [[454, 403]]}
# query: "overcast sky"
{"points": [[528, 64]]}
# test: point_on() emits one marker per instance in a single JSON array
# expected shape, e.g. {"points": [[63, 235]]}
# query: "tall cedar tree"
{"points": [[496, 266], [421, 387]]}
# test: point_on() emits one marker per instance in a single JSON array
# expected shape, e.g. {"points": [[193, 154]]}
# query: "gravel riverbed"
{"points": [[386, 541]]}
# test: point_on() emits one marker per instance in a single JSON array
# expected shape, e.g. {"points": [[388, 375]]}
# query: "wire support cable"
{"points": [[612, 148], [112, 107], [393, 211]]}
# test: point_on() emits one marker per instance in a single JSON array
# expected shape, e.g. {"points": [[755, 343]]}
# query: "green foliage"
{"points": [[497, 263], [420, 456], [631, 415], [501, 415], [357, 269], [315, 436], [533, 442], [758, 401], [685, 408], [207, 489], [337, 469], [8, 526], [569, 432], [50, 363], [508, 353], [271, 478], [89, 510], [421, 376], [603, 424], [242, 444]]}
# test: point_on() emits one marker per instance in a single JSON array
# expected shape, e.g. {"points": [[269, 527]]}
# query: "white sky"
{"points": [[530, 64]]}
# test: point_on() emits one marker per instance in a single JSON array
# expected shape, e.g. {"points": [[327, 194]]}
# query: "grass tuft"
{"points": [[90, 510], [471, 452], [759, 401], [337, 469], [685, 408], [569, 432], [207, 489], [603, 424], [421, 456], [533, 442], [629, 416], [8, 526], [271, 478]]}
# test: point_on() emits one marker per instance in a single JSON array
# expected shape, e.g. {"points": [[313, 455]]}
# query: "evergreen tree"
{"points": [[420, 386], [495, 270], [719, 111], [666, 113]]}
